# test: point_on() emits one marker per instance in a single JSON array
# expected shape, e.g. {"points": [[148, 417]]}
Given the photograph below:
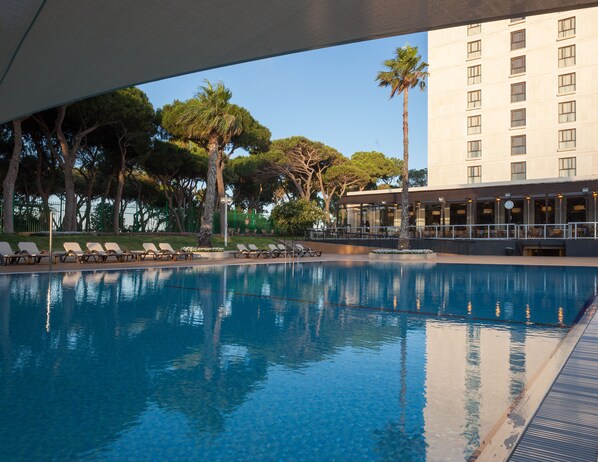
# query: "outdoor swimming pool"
{"points": [[312, 361]]}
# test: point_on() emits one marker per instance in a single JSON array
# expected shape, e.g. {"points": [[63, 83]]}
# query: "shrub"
{"points": [[293, 218]]}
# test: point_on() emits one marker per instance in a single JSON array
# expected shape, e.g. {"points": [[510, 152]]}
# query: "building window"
{"points": [[474, 99], [566, 83], [567, 166], [474, 29], [474, 49], [474, 74], [567, 139], [517, 92], [517, 65], [518, 39], [567, 27], [518, 145], [474, 174], [518, 118], [567, 112], [474, 149], [474, 125], [517, 171], [567, 56], [519, 19]]}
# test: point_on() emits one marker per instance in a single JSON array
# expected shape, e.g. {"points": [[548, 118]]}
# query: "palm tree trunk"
{"points": [[8, 185], [205, 231], [404, 231]]}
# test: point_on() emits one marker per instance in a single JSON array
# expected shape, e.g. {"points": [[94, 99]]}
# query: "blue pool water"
{"points": [[313, 361]]}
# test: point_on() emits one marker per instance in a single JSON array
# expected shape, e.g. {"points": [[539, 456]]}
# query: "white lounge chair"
{"points": [[276, 252], [309, 251], [73, 249], [122, 255], [33, 255], [253, 248], [152, 250], [243, 251], [96, 249], [7, 255], [177, 254]]}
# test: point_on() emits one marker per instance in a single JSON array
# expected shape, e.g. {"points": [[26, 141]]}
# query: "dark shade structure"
{"points": [[59, 51]]}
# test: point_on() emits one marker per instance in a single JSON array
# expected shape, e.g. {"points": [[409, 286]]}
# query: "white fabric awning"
{"points": [[58, 51]]}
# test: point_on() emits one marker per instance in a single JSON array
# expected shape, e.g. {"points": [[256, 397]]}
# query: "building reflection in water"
{"points": [[383, 361]]}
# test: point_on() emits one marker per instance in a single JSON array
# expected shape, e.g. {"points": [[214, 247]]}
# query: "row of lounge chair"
{"points": [[29, 253], [276, 251]]}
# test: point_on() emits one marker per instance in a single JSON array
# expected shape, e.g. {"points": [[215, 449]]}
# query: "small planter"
{"points": [[212, 255], [403, 255]]}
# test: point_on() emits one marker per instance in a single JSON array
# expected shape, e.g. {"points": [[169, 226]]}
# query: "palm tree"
{"points": [[211, 120], [406, 70]]}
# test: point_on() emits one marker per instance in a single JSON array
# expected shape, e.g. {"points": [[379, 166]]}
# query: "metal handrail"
{"points": [[571, 230]]}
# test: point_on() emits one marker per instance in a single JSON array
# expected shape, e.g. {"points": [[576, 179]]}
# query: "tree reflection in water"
{"points": [[80, 373]]}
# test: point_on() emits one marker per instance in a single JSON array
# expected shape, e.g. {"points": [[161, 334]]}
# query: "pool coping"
{"points": [[500, 443]]}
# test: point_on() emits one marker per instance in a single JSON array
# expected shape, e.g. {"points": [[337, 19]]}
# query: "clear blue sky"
{"points": [[328, 95]]}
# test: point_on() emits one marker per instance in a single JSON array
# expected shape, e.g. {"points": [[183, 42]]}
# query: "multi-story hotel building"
{"points": [[513, 117]]}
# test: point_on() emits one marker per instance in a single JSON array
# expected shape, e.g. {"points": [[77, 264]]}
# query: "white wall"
{"points": [[447, 112]]}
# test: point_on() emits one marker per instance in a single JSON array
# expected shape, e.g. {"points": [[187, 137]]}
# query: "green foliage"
{"points": [[101, 217], [377, 165], [418, 177], [293, 218], [404, 71]]}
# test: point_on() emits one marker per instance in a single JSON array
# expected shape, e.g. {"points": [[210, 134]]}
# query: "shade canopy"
{"points": [[58, 51]]}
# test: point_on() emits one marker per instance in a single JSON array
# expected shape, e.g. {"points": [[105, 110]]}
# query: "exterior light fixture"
{"points": [[559, 195], [585, 190], [441, 199]]}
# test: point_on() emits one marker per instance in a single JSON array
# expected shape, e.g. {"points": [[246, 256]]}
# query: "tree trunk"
{"points": [[205, 231], [404, 231], [120, 185], [221, 190], [70, 204], [8, 185]]}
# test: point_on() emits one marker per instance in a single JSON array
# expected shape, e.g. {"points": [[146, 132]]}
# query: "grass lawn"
{"points": [[135, 241]]}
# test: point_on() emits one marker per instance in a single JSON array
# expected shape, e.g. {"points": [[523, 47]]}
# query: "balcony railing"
{"points": [[574, 230]]}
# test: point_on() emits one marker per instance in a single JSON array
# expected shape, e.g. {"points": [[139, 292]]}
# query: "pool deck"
{"points": [[150, 263], [565, 427]]}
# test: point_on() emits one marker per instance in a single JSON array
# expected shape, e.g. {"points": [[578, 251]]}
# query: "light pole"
{"points": [[225, 202]]}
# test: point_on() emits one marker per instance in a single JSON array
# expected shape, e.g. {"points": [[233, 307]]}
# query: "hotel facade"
{"points": [[512, 127]]}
